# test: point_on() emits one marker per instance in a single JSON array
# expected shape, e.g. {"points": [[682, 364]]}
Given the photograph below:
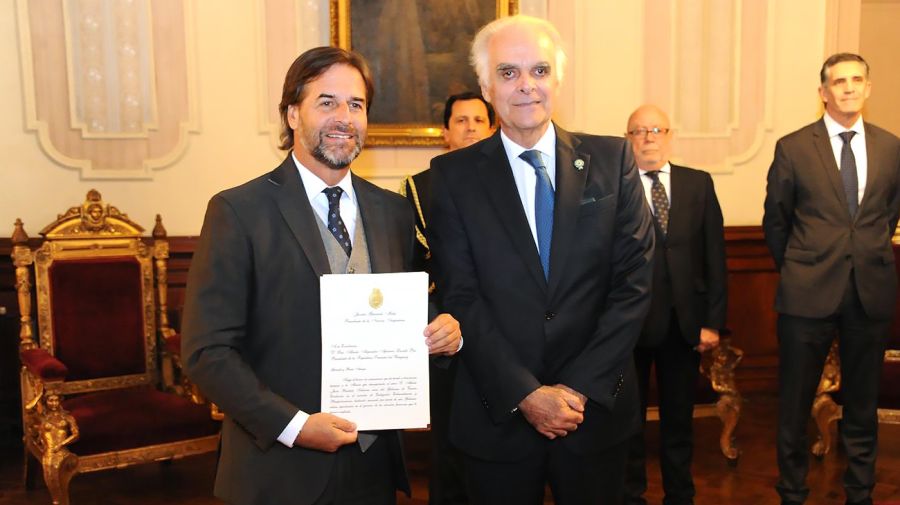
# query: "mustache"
{"points": [[347, 128]]}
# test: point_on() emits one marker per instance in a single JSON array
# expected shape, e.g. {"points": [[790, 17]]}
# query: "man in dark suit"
{"points": [[832, 202], [252, 331], [542, 245], [468, 118], [688, 306]]}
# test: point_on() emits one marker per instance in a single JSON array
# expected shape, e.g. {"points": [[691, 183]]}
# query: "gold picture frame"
{"points": [[432, 39]]}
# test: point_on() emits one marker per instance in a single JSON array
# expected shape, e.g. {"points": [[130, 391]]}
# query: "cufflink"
{"points": [[579, 164]]}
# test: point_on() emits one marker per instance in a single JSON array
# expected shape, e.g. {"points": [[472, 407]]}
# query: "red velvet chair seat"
{"points": [[135, 417]]}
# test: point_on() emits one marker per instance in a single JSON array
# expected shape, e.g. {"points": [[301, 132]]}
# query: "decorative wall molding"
{"points": [[842, 20], [285, 28], [67, 49], [703, 63]]}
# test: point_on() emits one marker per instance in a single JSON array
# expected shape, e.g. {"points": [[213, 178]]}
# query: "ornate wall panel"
{"points": [[879, 44], [109, 85], [708, 63], [286, 29]]}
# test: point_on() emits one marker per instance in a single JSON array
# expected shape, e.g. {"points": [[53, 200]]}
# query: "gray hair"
{"points": [[479, 55]]}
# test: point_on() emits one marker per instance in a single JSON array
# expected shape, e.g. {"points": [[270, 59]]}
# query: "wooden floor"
{"points": [[189, 481]]}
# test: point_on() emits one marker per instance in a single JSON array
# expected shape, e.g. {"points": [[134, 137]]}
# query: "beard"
{"points": [[335, 157]]}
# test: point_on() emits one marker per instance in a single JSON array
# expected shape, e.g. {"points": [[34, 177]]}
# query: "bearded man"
{"points": [[252, 330]]}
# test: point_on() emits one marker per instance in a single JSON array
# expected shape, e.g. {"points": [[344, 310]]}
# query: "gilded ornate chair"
{"points": [[716, 394], [718, 365], [92, 397]]}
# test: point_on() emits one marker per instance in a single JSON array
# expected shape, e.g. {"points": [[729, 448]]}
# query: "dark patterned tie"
{"points": [[335, 223], [543, 207], [848, 173], [660, 201]]}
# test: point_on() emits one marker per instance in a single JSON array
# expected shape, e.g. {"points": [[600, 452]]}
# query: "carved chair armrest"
{"points": [[718, 365], [43, 365], [174, 378]]}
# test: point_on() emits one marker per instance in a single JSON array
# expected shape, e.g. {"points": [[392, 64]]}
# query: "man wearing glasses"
{"points": [[688, 305]]}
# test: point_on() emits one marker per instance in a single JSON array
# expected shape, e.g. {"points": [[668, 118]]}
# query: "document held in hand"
{"points": [[374, 357]]}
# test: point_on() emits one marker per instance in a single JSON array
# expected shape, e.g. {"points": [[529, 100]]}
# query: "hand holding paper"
{"points": [[326, 432]]}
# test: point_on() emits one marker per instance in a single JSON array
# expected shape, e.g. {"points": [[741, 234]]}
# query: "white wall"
{"points": [[606, 79]]}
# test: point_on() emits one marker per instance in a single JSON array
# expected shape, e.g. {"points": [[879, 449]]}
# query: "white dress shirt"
{"points": [[523, 173], [857, 145], [319, 202], [314, 186], [665, 177]]}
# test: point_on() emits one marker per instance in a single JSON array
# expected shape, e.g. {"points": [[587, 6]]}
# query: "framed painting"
{"points": [[418, 51]]}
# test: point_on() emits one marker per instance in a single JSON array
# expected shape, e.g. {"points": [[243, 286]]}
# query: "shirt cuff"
{"points": [[460, 344], [289, 435]]}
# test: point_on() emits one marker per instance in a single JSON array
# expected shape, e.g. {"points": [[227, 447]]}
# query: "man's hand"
{"points": [[442, 335], [553, 411], [582, 400], [709, 339], [326, 432]]}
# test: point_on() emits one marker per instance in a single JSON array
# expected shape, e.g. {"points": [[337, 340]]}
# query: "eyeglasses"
{"points": [[642, 132]]}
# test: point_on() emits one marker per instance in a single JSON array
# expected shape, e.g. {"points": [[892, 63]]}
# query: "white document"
{"points": [[374, 357]]}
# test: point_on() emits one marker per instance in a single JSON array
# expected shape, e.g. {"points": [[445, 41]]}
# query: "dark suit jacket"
{"points": [[252, 330], [809, 231], [522, 332], [690, 274]]}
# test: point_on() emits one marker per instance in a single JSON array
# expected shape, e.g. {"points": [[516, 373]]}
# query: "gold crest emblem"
{"points": [[376, 298]]}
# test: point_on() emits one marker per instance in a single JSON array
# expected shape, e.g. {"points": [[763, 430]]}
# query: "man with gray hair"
{"points": [[542, 247], [832, 205]]}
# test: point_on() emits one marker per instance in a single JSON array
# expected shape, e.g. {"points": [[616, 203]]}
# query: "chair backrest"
{"points": [[96, 307]]}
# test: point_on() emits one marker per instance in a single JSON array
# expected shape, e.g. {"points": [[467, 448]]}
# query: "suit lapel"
{"points": [[499, 185], [826, 156], [569, 190], [374, 221], [299, 215], [678, 205], [871, 165]]}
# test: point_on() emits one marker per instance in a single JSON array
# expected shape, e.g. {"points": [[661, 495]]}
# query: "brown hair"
{"points": [[834, 59], [307, 68]]}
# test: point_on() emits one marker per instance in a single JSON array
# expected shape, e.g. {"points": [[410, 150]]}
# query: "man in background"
{"points": [[832, 202], [468, 118], [688, 305]]}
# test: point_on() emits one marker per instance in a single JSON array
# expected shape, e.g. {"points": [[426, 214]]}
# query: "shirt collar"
{"points": [[546, 145], [834, 128], [665, 169], [314, 186]]}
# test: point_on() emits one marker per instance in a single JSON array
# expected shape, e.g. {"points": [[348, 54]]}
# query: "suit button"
{"points": [[549, 315]]}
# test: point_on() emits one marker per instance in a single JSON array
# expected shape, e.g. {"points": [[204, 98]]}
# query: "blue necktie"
{"points": [[335, 223], [848, 173], [543, 207]]}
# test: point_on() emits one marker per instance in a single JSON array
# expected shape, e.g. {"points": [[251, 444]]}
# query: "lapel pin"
{"points": [[579, 165]]}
